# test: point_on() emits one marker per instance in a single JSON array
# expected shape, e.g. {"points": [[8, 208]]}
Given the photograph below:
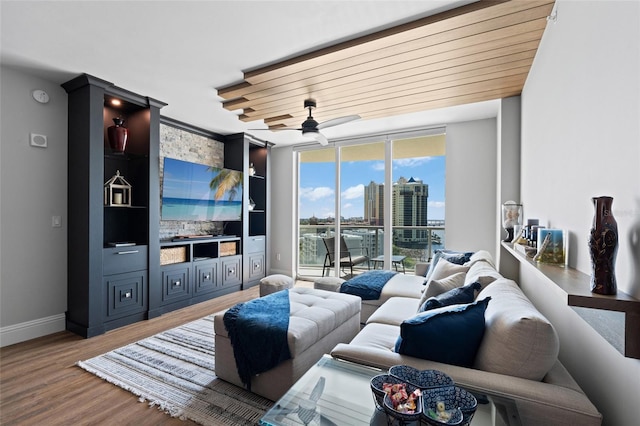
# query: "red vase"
{"points": [[603, 247], [117, 135]]}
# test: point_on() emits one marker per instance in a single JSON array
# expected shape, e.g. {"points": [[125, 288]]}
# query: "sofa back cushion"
{"points": [[518, 340], [450, 334], [481, 271]]}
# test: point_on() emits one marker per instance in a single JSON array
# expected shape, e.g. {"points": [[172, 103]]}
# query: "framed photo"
{"points": [[552, 246]]}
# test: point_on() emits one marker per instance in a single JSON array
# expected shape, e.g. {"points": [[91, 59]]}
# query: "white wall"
{"points": [[581, 138], [33, 188], [282, 212], [471, 211]]}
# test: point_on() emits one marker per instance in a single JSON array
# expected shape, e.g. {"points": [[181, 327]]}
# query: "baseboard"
{"points": [[31, 329]]}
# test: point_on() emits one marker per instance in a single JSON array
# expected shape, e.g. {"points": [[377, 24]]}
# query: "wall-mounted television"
{"points": [[197, 192]]}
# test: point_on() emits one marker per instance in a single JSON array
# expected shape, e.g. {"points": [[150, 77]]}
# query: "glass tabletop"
{"points": [[336, 392]]}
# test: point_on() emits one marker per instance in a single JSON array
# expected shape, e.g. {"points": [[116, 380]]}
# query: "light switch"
{"points": [[56, 221]]}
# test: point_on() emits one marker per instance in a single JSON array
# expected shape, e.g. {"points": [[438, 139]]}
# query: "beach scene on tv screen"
{"points": [[198, 192]]}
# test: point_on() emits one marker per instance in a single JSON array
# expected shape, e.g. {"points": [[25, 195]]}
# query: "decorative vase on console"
{"points": [[511, 218], [117, 135], [603, 247]]}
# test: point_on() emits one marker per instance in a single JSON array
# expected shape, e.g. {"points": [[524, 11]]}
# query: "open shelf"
{"points": [[577, 287]]}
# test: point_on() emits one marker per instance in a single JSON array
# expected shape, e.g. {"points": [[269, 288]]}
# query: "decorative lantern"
{"points": [[117, 191]]}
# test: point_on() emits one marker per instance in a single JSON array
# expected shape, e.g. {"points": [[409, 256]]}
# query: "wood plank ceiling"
{"points": [[477, 52]]}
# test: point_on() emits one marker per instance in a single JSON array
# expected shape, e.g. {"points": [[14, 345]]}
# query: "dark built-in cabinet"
{"points": [[197, 269], [113, 248], [119, 272], [242, 152]]}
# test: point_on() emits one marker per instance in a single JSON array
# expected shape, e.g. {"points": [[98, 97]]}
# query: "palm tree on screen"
{"points": [[226, 181]]}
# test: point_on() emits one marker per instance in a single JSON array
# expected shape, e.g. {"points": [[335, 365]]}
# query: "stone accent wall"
{"points": [[182, 145]]}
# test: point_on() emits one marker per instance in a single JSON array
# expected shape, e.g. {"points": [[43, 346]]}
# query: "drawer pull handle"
{"points": [[177, 283], [128, 252]]}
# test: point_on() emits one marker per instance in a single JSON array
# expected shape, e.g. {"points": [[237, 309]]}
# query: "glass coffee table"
{"points": [[336, 392]]}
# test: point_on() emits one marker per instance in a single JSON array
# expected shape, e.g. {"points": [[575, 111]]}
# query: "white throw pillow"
{"points": [[436, 287]]}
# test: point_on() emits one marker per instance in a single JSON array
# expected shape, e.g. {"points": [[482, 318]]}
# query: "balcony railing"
{"points": [[416, 243]]}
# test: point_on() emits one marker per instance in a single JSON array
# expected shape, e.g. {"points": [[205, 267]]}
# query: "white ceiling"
{"points": [[178, 51]]}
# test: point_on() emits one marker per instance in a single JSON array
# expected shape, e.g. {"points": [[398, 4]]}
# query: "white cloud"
{"points": [[378, 166], [436, 204], [353, 192], [411, 162], [315, 194]]}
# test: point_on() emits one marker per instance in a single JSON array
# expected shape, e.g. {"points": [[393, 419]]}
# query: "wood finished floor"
{"points": [[40, 384]]}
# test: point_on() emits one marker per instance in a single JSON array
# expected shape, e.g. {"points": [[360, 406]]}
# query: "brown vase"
{"points": [[603, 247], [117, 135]]}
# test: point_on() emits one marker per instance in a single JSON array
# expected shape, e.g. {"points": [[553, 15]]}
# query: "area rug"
{"points": [[174, 370]]}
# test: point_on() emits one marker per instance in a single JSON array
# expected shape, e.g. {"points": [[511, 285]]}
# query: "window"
{"points": [[353, 181]]}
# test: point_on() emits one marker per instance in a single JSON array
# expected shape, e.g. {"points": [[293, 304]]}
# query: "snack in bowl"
{"points": [[402, 402], [377, 384]]}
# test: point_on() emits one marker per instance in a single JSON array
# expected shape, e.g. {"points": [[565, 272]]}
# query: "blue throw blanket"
{"points": [[367, 285], [258, 333]]}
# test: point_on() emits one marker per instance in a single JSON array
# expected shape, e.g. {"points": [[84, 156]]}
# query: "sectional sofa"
{"points": [[516, 361]]}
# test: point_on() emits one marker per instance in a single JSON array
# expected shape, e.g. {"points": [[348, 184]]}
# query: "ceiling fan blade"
{"points": [[322, 139], [338, 121]]}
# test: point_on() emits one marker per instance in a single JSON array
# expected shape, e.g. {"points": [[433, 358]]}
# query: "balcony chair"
{"points": [[346, 259]]}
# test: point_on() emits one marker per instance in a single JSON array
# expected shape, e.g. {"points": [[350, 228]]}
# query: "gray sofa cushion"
{"points": [[518, 340]]}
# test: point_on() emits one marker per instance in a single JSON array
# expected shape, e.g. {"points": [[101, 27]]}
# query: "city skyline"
{"points": [[317, 183]]}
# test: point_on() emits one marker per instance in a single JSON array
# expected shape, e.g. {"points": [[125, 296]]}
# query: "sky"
{"points": [[317, 183]]}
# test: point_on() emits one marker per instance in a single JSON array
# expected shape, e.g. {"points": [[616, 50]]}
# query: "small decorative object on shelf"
{"points": [[511, 218], [603, 247], [528, 230], [117, 135], [252, 170], [117, 191], [552, 246], [252, 204]]}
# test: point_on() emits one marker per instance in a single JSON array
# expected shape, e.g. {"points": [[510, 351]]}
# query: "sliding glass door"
{"points": [[388, 196]]}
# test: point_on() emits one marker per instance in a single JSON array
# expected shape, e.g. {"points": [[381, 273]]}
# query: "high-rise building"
{"points": [[409, 208], [374, 204]]}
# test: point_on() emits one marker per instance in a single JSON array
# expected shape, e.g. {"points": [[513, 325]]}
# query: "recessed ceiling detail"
{"points": [[474, 53]]}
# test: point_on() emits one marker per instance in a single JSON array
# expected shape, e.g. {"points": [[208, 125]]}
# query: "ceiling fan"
{"points": [[311, 127]]}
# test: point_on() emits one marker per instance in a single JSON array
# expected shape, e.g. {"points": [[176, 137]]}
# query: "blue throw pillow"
{"points": [[457, 257], [451, 334], [455, 296]]}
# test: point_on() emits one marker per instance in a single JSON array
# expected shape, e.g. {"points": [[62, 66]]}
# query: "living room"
{"points": [[577, 122]]}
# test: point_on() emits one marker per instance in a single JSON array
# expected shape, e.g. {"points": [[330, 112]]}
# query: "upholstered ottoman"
{"points": [[328, 283], [272, 283], [318, 321]]}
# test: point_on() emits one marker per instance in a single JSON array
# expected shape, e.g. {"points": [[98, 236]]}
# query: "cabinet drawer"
{"points": [[254, 244], [125, 294], [116, 260]]}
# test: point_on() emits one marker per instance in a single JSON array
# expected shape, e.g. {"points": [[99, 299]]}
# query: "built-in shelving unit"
{"points": [[240, 151], [113, 248], [576, 285]]}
